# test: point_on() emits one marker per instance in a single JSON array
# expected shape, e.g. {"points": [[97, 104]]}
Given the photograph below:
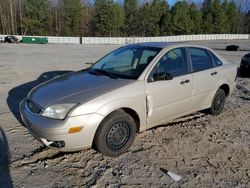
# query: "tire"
{"points": [[115, 134], [218, 102]]}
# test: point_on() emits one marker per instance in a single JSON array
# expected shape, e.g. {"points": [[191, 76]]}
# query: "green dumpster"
{"points": [[35, 40]]}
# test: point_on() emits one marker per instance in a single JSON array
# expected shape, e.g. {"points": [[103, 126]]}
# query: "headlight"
{"points": [[58, 111]]}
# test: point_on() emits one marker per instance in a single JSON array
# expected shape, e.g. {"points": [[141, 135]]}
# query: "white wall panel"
{"points": [[131, 40]]}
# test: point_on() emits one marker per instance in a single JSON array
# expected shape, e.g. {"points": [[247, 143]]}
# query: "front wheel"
{"points": [[115, 134], [218, 102]]}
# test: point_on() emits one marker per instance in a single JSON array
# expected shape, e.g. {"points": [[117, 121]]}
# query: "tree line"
{"points": [[104, 18]]}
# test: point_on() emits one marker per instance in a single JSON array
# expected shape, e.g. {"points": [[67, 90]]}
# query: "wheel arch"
{"points": [[130, 112], [225, 88], [134, 115], [135, 109]]}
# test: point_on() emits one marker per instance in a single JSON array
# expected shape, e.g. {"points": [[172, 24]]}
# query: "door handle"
{"points": [[185, 82], [213, 73]]}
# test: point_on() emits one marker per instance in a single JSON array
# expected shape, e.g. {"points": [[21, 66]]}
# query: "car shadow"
{"points": [[5, 178], [17, 94]]}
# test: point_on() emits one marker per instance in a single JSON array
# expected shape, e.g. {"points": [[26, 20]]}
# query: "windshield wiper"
{"points": [[102, 72]]}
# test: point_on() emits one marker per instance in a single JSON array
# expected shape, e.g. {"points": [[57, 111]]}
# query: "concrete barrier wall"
{"points": [[131, 40], [64, 40], [180, 38]]}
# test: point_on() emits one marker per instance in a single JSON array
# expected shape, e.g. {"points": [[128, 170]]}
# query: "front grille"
{"points": [[34, 108]]}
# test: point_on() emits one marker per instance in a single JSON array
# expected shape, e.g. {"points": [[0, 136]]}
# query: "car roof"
{"points": [[154, 44], [167, 45]]}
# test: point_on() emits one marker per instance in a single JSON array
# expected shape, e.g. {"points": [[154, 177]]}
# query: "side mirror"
{"points": [[162, 76]]}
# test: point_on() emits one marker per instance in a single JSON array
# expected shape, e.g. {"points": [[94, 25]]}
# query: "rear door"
{"points": [[205, 76], [167, 99]]}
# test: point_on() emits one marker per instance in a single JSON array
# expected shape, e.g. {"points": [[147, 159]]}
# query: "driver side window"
{"points": [[174, 62]]}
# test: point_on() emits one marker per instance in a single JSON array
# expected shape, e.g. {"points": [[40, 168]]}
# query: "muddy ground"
{"points": [[205, 150]]}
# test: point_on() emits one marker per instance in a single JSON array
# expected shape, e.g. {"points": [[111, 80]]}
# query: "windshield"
{"points": [[127, 62]]}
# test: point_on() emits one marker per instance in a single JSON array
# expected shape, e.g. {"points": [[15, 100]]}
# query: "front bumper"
{"points": [[49, 131]]}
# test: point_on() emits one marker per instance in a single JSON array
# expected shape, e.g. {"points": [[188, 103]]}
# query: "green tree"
{"points": [[165, 20], [207, 16], [108, 18], [181, 19], [214, 17], [130, 9], [219, 18], [36, 20], [160, 17], [72, 14], [196, 18], [151, 18], [232, 14], [144, 18], [117, 29]]}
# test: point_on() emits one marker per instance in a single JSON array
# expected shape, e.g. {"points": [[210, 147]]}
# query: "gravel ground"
{"points": [[205, 150]]}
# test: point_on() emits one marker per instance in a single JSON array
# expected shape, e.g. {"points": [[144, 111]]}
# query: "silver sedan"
{"points": [[133, 88]]}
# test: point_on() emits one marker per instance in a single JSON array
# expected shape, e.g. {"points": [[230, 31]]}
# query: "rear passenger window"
{"points": [[200, 58], [216, 59]]}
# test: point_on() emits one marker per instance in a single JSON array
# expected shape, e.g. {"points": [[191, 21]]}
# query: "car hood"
{"points": [[77, 87]]}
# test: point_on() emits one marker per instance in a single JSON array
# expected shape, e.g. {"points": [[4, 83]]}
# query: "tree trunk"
{"points": [[1, 20], [11, 18], [20, 17]]}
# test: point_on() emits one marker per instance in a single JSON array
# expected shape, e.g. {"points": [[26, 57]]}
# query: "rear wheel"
{"points": [[115, 134], [218, 102]]}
